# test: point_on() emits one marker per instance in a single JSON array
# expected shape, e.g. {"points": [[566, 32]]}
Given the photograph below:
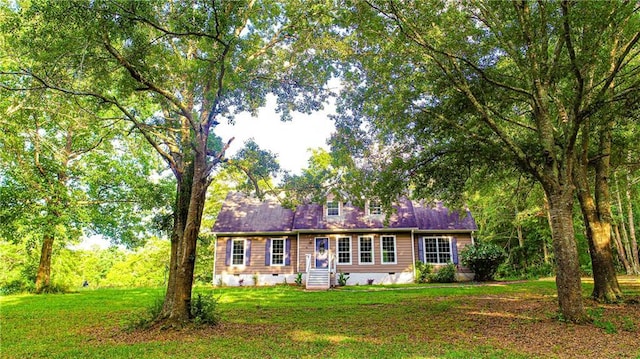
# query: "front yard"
{"points": [[502, 320]]}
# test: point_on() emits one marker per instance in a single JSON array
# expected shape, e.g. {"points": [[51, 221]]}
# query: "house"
{"points": [[260, 240]]}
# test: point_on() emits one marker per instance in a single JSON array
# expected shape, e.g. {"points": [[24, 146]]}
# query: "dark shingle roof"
{"points": [[246, 214], [438, 217], [241, 213], [311, 216]]}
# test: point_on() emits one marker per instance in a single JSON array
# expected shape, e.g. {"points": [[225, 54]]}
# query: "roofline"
{"points": [[438, 231], [238, 234], [343, 230]]}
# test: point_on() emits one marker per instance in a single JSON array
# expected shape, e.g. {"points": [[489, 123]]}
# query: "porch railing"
{"points": [[308, 259]]}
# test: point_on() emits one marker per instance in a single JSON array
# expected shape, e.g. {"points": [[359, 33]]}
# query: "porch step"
{"points": [[318, 279]]}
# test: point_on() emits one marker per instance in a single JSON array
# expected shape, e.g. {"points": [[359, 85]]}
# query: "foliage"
{"points": [[204, 309], [423, 271], [299, 279], [16, 286], [434, 93], [445, 274], [145, 267], [322, 176], [342, 279], [173, 72], [483, 258], [507, 272]]}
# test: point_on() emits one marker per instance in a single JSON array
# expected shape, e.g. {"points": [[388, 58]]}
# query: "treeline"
{"points": [[74, 269]]}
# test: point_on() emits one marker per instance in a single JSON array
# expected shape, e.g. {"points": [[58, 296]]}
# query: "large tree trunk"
{"points": [[43, 278], [191, 195], [597, 218], [566, 253], [605, 282]]}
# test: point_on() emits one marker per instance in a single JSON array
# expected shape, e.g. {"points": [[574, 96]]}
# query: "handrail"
{"points": [[334, 263], [332, 267], [308, 259]]}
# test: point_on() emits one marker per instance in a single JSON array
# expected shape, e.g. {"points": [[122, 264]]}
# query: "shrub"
{"points": [[299, 279], [483, 259], [204, 310], [17, 286], [423, 270], [446, 274], [342, 279]]}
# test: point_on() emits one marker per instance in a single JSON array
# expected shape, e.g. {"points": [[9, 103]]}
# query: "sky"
{"points": [[289, 140]]}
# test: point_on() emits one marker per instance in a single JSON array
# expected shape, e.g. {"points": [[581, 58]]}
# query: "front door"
{"points": [[322, 252]]}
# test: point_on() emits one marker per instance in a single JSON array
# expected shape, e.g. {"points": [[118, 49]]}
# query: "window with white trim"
{"points": [[388, 249], [365, 248], [237, 252], [375, 208], [333, 208], [437, 250], [344, 250], [277, 251]]}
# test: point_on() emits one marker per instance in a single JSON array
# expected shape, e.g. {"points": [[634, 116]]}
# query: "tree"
{"points": [[518, 79], [315, 182], [174, 70], [54, 164]]}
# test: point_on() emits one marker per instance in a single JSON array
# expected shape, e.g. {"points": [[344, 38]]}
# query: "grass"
{"points": [[285, 322]]}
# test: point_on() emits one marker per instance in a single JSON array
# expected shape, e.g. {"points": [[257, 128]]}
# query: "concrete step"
{"points": [[318, 279]]}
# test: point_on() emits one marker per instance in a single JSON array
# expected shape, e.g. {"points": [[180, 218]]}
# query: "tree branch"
{"points": [[138, 77]]}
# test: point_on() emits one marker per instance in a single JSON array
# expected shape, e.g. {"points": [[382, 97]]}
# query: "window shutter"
{"points": [[421, 249], [454, 250], [287, 250], [267, 253], [228, 258], [247, 253]]}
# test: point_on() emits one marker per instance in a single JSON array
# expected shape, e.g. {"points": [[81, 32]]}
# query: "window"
{"points": [[375, 208], [344, 250], [388, 248], [365, 248], [277, 252], [237, 252], [333, 208], [437, 250]]}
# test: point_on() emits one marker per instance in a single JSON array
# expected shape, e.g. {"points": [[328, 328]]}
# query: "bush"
{"points": [[423, 270], [204, 310], [342, 279], [483, 259], [446, 274], [17, 286]]}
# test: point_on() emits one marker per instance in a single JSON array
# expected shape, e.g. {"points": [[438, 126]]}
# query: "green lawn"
{"points": [[459, 321]]}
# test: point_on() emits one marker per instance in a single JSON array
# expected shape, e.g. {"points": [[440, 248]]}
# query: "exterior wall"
{"points": [[463, 240], [399, 272], [402, 271], [266, 274]]}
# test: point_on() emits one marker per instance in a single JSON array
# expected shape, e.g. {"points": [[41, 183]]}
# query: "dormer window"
{"points": [[333, 208], [375, 208]]}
